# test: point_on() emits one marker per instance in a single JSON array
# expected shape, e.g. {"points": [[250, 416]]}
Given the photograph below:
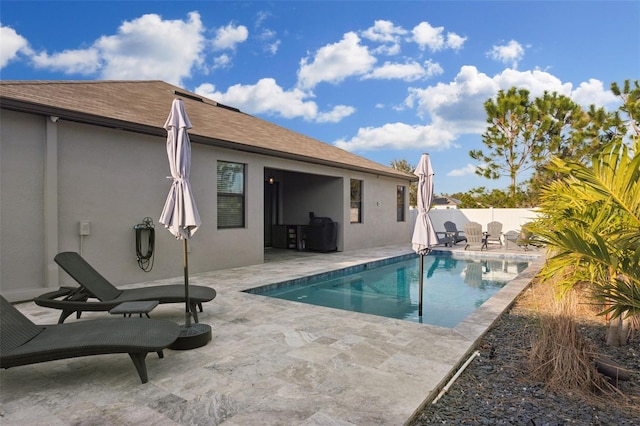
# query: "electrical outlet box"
{"points": [[85, 227]]}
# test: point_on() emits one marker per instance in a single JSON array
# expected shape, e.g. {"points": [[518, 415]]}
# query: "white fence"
{"points": [[511, 219]]}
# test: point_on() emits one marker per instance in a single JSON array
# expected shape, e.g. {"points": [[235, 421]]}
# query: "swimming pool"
{"points": [[453, 287]]}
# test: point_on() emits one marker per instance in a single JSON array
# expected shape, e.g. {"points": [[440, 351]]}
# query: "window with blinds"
{"points": [[231, 195]]}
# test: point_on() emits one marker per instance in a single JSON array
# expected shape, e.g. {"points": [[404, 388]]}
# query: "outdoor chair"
{"points": [[524, 238], [444, 238], [494, 232], [511, 237], [94, 286], [475, 236], [452, 230], [22, 342]]}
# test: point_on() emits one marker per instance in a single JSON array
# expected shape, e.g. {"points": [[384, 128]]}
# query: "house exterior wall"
{"points": [[22, 155], [54, 175], [379, 224]]}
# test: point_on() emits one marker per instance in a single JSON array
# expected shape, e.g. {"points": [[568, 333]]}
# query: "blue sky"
{"points": [[385, 80]]}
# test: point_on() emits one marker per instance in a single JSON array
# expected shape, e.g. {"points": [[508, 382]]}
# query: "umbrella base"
{"points": [[191, 337]]}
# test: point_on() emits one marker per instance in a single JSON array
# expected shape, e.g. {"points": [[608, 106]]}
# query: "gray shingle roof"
{"points": [[143, 106]]}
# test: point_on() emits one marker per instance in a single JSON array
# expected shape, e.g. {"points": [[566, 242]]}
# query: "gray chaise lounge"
{"points": [[95, 286], [22, 342]]}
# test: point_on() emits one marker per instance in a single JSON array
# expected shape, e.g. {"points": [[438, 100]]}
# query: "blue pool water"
{"points": [[453, 287]]}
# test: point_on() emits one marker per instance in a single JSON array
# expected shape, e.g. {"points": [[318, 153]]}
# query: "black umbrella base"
{"points": [[191, 337]]}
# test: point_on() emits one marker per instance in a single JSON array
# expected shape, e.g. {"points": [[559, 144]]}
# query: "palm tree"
{"points": [[591, 224]]}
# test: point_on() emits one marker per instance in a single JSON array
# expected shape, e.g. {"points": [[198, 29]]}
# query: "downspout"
{"points": [[51, 202]]}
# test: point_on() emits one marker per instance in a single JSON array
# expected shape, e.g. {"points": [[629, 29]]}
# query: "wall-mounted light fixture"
{"points": [[271, 180]]}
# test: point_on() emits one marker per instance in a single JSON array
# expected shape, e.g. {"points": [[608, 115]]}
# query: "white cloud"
{"points": [[11, 44], [469, 169], [267, 97], [435, 38], [509, 54], [387, 49], [152, 48], [336, 114], [398, 136], [230, 36], [457, 108], [388, 34], [222, 61], [144, 48], [271, 43], [593, 92], [535, 81], [261, 17], [335, 62], [459, 103], [454, 41], [383, 32], [272, 47], [409, 71], [82, 61]]}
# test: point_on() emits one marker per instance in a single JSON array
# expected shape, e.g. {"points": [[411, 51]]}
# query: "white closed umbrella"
{"points": [[180, 214], [424, 236]]}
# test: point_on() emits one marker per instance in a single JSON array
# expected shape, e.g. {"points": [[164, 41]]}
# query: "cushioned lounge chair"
{"points": [[95, 286], [22, 342]]}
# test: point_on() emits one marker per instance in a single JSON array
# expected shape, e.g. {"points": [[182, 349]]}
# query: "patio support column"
{"points": [[51, 202]]}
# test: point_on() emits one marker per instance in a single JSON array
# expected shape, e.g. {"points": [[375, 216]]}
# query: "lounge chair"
{"points": [[452, 230], [494, 232], [22, 342], [475, 237], [95, 286]]}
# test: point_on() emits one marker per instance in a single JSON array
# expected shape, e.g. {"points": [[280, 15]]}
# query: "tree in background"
{"points": [[480, 197], [630, 104], [526, 134], [523, 134], [509, 138], [404, 166], [563, 134]]}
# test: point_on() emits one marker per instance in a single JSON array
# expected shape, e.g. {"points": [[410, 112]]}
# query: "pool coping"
{"points": [[270, 361]]}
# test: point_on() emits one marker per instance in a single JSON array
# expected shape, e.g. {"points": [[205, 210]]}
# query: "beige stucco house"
{"points": [[92, 153]]}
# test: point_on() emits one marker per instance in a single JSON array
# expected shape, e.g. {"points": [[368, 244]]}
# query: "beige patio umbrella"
{"points": [[180, 214], [424, 237]]}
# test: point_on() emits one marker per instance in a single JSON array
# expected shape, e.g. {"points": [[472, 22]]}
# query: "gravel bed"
{"points": [[495, 388]]}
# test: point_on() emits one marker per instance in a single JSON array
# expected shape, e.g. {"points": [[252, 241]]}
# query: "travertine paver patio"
{"points": [[270, 362]]}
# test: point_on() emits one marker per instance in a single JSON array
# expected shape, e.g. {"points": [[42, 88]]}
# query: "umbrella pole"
{"points": [[191, 335], [420, 285], [187, 312]]}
